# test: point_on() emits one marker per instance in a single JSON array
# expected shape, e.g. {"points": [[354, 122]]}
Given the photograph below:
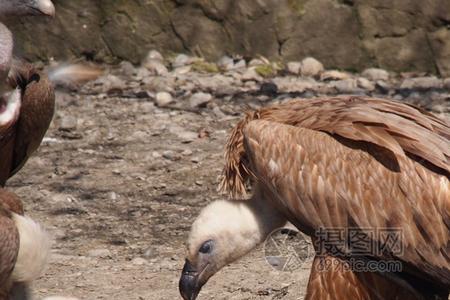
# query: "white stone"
{"points": [[256, 62], [240, 64], [68, 123], [447, 83], [127, 68], [375, 74], [431, 82], [182, 70], [345, 86], [187, 152], [139, 261], [365, 84], [155, 67], [251, 74], [111, 82], [334, 75], [294, 67], [225, 63], [181, 60], [199, 99], [187, 136], [154, 54], [163, 99], [143, 73], [311, 67]]}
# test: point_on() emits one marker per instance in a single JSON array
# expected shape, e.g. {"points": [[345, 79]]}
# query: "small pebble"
{"points": [[102, 253], [163, 99], [199, 100]]}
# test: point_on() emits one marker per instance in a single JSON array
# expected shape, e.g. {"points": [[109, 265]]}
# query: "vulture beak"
{"points": [[45, 7], [189, 284]]}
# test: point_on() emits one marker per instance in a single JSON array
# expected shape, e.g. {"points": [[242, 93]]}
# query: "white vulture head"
{"points": [[27, 7], [223, 232]]}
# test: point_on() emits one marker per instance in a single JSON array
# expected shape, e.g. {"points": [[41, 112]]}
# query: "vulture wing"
{"points": [[401, 129], [9, 248], [338, 284], [38, 105], [24, 247], [319, 180], [9, 243]]}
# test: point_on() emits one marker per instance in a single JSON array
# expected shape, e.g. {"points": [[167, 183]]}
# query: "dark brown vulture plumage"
{"points": [[27, 101], [26, 109], [24, 136], [343, 162], [24, 247], [9, 243]]}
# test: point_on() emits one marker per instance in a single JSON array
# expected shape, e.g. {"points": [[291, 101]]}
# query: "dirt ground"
{"points": [[118, 182], [119, 211]]}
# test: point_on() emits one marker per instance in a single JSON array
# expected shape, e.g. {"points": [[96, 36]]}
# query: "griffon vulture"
{"points": [[343, 162], [27, 102]]}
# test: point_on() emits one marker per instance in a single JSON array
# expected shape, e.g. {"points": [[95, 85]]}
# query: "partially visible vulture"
{"points": [[348, 163], [27, 8], [24, 247], [27, 102]]}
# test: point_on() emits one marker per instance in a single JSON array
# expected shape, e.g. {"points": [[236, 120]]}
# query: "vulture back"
{"points": [[400, 128]]}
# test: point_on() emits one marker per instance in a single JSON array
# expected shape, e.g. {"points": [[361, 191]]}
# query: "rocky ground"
{"points": [[131, 158]]}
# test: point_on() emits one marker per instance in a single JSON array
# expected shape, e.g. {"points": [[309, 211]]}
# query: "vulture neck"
{"points": [[6, 47], [267, 216], [258, 219]]}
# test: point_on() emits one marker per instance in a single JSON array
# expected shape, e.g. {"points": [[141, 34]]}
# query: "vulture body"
{"points": [[27, 98], [26, 109], [344, 162], [24, 246], [33, 104]]}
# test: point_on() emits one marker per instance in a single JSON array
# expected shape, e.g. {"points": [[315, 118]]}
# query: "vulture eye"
{"points": [[35, 77], [206, 247]]}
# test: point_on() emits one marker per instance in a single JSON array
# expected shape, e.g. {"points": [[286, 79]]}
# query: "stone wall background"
{"points": [[400, 35]]}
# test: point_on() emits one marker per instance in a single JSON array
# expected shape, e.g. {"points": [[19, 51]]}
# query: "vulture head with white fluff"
{"points": [[223, 232], [27, 7]]}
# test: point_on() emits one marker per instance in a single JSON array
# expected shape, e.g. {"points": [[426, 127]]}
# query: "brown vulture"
{"points": [[345, 162], [24, 247], [26, 108], [27, 98]]}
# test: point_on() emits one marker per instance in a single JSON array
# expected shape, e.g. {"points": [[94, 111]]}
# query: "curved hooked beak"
{"points": [[45, 7], [189, 284]]}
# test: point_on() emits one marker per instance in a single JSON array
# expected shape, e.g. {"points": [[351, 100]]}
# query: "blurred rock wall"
{"points": [[400, 35]]}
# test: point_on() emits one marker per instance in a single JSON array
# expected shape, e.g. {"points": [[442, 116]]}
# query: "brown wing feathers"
{"points": [[38, 102], [398, 127]]}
